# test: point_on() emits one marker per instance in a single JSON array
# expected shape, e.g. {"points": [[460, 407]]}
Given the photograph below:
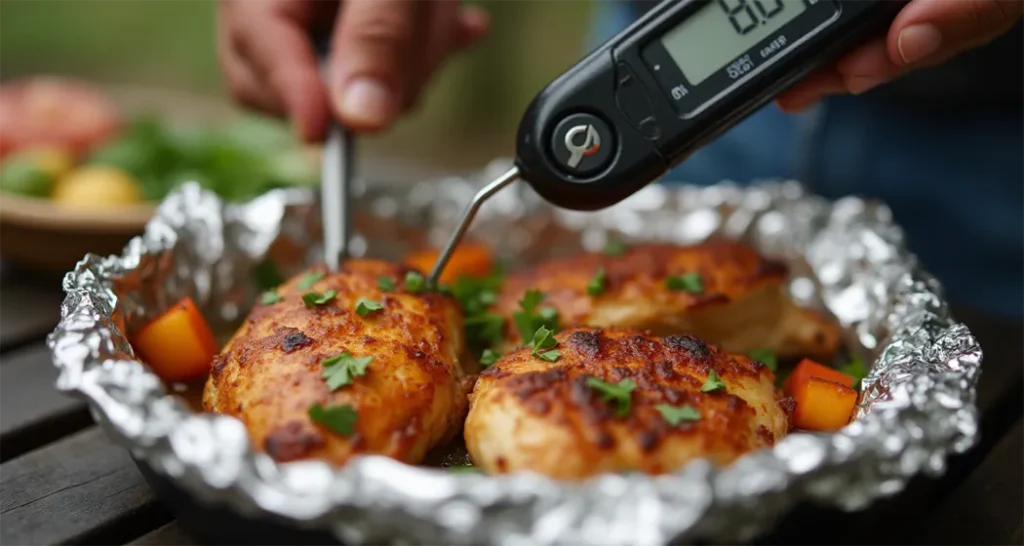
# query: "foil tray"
{"points": [[847, 256]]}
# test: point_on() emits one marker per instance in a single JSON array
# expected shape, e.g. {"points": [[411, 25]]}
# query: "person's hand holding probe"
{"points": [[925, 33], [383, 53]]}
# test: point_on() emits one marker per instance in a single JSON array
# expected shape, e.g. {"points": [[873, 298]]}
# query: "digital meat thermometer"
{"points": [[677, 78]]}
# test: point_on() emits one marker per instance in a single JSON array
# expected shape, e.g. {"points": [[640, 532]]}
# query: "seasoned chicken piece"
{"points": [[577, 417], [318, 380], [722, 291]]}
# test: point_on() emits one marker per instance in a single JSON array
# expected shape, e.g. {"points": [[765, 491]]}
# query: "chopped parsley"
{"points": [[267, 275], [415, 283], [856, 369], [270, 297], [673, 415], [489, 357], [339, 370], [475, 296], [529, 319], [766, 357], [365, 306], [309, 279], [385, 283], [313, 299], [713, 383], [687, 282], [596, 285], [618, 394], [340, 419], [615, 248], [542, 339]]}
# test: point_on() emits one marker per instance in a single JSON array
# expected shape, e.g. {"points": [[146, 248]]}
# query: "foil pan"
{"points": [[847, 256]]}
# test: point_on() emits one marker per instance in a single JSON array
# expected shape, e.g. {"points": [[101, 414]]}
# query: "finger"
{"points": [[279, 50], [239, 78], [371, 44], [440, 22], [819, 84], [931, 31], [868, 66], [473, 24]]}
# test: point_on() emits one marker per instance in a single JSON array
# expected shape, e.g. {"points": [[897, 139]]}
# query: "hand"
{"points": [[383, 53], [925, 33]]}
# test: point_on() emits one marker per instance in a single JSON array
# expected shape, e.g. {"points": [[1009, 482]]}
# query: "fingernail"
{"points": [[919, 41], [366, 101], [860, 84]]}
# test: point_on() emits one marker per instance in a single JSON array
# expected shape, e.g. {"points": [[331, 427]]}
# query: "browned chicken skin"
{"points": [[742, 306], [411, 397], [530, 414]]}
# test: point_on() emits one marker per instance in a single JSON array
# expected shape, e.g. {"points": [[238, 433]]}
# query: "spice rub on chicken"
{"points": [[364, 360], [724, 292], [619, 400]]}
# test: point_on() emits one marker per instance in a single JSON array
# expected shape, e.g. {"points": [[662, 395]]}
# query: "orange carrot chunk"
{"points": [[808, 368], [468, 260], [178, 344], [822, 405]]}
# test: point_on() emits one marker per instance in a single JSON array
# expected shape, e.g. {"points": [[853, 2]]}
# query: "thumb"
{"points": [[932, 31]]}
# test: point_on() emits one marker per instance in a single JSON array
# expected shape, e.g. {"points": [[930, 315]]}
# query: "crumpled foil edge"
{"points": [[918, 406]]}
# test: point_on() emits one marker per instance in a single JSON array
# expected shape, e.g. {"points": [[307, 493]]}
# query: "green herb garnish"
{"points": [[618, 394], [309, 279], [596, 285], [489, 357], [339, 370], [364, 306], [415, 283], [529, 319], [615, 248], [313, 299], [542, 339], [688, 282], [385, 283], [713, 382], [856, 369], [673, 415], [340, 419], [270, 297], [550, 356], [766, 357], [475, 296]]}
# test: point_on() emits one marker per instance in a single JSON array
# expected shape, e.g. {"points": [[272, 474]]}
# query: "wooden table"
{"points": [[62, 481]]}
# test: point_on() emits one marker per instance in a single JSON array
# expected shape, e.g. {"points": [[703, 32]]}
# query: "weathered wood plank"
{"points": [[987, 508], [83, 488], [171, 534], [32, 411], [27, 313]]}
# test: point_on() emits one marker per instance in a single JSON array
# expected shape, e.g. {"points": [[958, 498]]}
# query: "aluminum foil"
{"points": [[848, 256]]}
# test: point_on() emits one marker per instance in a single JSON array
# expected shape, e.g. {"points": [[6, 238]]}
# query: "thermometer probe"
{"points": [[671, 82]]}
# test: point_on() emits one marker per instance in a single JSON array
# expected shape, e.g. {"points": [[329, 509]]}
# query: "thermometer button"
{"points": [[582, 144]]}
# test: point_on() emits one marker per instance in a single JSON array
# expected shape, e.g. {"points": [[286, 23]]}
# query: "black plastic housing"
{"points": [[615, 83]]}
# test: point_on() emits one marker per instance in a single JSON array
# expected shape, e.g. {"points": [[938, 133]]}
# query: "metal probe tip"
{"points": [[467, 217]]}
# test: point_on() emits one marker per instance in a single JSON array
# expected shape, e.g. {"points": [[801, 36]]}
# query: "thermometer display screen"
{"points": [[724, 29]]}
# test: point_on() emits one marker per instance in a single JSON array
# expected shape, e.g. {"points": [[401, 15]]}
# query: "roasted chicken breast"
{"points": [[724, 292], [577, 416], [312, 377]]}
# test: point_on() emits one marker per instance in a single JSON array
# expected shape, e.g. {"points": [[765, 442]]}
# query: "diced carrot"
{"points": [[808, 368], [822, 405], [468, 260], [178, 344]]}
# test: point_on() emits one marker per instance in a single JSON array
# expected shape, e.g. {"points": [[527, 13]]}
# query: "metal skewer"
{"points": [[335, 200], [467, 218]]}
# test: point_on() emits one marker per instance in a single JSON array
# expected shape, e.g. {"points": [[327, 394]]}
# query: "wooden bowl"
{"points": [[39, 235]]}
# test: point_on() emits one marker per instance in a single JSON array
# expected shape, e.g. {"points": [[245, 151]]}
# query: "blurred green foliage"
{"points": [[468, 115]]}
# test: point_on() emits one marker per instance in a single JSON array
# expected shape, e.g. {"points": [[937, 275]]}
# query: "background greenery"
{"points": [[469, 115]]}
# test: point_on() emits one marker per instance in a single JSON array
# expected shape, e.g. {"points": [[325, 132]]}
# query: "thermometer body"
{"points": [[673, 81]]}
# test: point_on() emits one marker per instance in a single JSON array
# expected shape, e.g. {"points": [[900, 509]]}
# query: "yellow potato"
{"points": [[52, 160], [97, 186]]}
